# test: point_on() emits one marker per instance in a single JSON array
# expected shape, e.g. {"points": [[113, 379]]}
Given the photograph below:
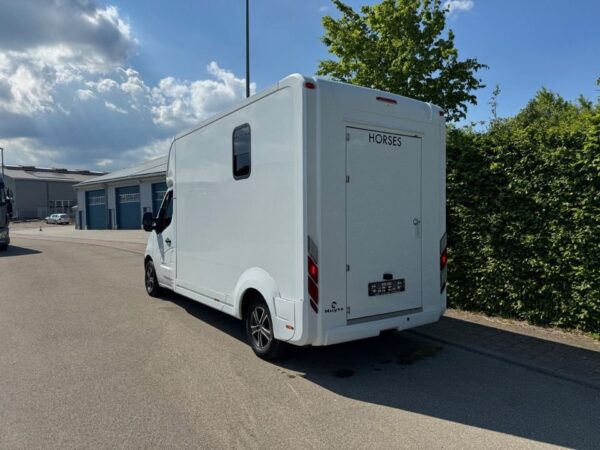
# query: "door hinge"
{"points": [[347, 178], [347, 268], [347, 310], [347, 136]]}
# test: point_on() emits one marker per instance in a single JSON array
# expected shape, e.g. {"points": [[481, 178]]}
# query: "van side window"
{"points": [[241, 152], [166, 211]]}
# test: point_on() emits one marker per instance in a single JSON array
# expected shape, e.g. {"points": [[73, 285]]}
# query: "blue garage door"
{"points": [[158, 192], [95, 209], [128, 208]]}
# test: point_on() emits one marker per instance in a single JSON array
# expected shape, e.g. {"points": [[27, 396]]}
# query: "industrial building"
{"points": [[38, 192], [119, 199]]}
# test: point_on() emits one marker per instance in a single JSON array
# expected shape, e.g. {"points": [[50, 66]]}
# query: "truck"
{"points": [[5, 214], [314, 211]]}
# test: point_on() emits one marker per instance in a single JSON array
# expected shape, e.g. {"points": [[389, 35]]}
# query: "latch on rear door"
{"points": [[417, 224]]}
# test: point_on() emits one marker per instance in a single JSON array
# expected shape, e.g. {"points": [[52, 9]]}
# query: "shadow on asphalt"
{"points": [[405, 371], [14, 250]]}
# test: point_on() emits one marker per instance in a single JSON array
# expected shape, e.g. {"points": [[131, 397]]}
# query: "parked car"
{"points": [[62, 219], [51, 218]]}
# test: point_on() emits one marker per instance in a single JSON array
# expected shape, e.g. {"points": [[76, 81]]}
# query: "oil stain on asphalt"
{"points": [[410, 352]]}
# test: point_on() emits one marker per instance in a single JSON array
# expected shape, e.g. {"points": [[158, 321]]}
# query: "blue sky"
{"points": [[527, 44], [105, 83]]}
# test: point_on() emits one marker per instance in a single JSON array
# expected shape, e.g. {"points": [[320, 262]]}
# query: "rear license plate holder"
{"points": [[386, 287]]}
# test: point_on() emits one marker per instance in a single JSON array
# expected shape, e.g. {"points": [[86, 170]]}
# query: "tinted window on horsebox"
{"points": [[241, 152]]}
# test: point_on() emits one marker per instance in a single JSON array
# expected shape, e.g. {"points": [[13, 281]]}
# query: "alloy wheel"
{"points": [[260, 327]]}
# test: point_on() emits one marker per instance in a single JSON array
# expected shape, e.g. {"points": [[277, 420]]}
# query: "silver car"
{"points": [[61, 219], [52, 218]]}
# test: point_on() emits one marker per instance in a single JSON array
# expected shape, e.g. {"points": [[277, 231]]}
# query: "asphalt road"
{"points": [[88, 360]]}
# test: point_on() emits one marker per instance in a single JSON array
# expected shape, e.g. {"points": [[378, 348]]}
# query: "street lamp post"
{"points": [[247, 49]]}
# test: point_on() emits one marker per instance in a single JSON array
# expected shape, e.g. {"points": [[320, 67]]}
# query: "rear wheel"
{"points": [[151, 281], [259, 330], [3, 247]]}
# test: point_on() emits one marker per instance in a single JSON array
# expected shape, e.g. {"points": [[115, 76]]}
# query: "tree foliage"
{"points": [[524, 214], [398, 46]]}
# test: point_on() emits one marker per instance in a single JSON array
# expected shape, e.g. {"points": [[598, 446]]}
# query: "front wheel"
{"points": [[259, 330], [151, 281]]}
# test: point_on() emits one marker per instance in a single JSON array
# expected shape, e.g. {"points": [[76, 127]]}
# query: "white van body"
{"points": [[348, 177]]}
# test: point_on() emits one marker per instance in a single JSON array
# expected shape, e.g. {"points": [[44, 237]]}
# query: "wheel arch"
{"points": [[253, 282], [258, 282]]}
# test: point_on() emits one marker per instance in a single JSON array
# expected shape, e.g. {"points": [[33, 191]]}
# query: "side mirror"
{"points": [[148, 222]]}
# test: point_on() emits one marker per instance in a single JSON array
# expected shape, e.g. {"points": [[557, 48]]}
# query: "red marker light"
{"points": [[313, 270], [309, 85], [444, 259]]}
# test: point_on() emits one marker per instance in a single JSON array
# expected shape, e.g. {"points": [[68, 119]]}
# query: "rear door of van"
{"points": [[383, 223]]}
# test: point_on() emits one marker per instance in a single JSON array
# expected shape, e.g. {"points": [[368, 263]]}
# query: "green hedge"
{"points": [[524, 215]]}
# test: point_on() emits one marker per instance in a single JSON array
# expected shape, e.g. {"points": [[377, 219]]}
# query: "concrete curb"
{"points": [[510, 360]]}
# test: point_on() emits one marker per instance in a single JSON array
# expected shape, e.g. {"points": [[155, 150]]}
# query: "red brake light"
{"points": [[444, 259], [309, 85], [313, 270], [313, 288]]}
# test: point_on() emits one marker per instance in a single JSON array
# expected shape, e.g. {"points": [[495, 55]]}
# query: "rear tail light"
{"points": [[444, 259], [313, 291], [443, 262], [313, 275], [313, 270]]}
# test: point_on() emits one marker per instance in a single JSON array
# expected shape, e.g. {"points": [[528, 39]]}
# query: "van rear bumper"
{"points": [[371, 327]]}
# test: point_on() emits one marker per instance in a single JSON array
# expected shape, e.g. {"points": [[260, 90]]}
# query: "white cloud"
{"points": [[81, 26], [85, 94], [323, 9], [105, 85], [114, 107], [459, 5], [68, 97], [105, 162], [181, 103]]}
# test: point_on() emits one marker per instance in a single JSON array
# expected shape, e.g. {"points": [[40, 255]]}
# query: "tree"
{"points": [[397, 46]]}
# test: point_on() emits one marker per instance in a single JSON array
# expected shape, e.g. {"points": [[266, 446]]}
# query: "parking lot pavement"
{"points": [[89, 360], [565, 355], [132, 240]]}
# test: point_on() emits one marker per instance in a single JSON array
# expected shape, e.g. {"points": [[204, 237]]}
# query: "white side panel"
{"points": [[227, 226]]}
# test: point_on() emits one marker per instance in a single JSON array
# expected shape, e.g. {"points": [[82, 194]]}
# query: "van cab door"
{"points": [[165, 237]]}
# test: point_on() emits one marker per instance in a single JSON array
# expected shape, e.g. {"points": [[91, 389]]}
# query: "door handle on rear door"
{"points": [[168, 241], [417, 223]]}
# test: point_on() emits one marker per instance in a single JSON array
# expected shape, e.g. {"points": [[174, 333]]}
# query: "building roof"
{"points": [[154, 167], [48, 174]]}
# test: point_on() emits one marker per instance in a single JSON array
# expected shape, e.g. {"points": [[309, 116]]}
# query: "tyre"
{"points": [[151, 281], [259, 330], [3, 247]]}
